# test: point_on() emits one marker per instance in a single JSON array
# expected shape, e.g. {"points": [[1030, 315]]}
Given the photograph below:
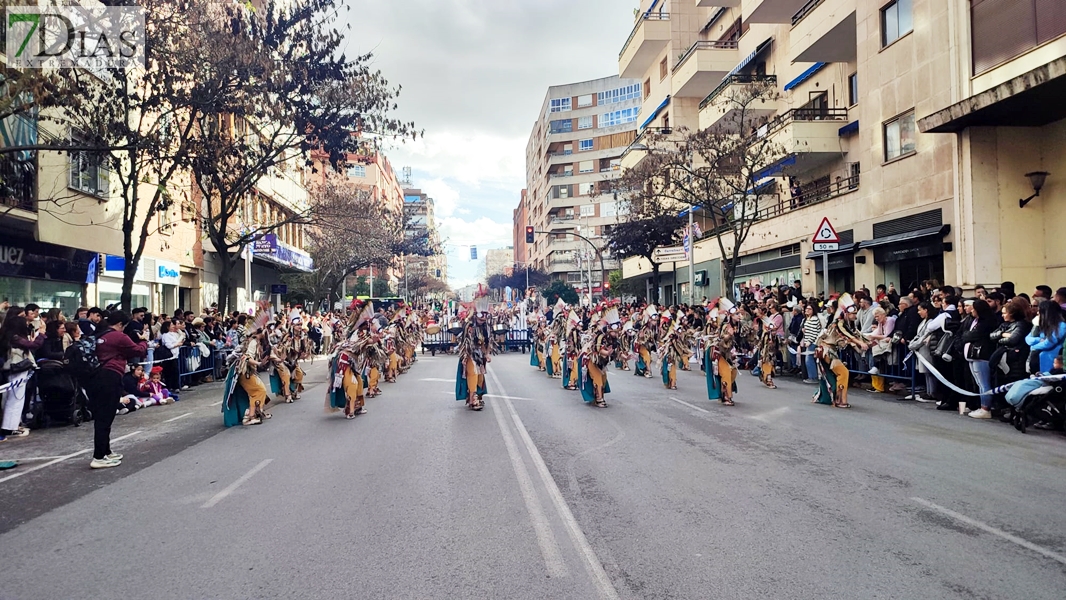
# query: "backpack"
{"points": [[82, 359]]}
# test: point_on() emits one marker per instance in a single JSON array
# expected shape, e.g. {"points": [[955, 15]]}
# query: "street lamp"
{"points": [[1036, 178]]}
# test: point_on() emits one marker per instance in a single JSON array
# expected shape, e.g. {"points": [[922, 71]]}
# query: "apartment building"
{"points": [[420, 210], [865, 91], [575, 147], [519, 221]]}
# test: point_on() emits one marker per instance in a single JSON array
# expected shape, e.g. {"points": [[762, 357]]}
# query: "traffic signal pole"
{"points": [[603, 271]]}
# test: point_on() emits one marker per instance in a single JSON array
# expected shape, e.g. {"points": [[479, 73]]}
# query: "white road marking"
{"points": [[219, 403], [47, 464], [988, 528], [549, 548], [437, 379], [766, 416], [127, 436], [692, 406], [219, 497], [177, 417], [592, 563], [32, 458]]}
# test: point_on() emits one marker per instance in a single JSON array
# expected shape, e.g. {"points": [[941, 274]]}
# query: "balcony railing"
{"points": [[636, 27], [805, 114], [563, 153], [806, 10], [18, 179], [705, 45], [739, 79], [779, 206], [558, 175]]}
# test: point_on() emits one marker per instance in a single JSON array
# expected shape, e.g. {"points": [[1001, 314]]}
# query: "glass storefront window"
{"points": [[47, 294], [110, 292]]}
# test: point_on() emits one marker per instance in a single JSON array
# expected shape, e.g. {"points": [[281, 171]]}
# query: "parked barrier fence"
{"points": [[192, 362]]}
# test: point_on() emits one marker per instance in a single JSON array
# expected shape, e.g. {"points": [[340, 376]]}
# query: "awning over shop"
{"points": [[804, 76], [849, 129], [655, 113], [776, 168], [1032, 99], [929, 232]]}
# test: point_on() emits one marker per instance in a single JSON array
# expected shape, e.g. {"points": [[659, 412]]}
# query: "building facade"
{"points": [[420, 210], [866, 93], [575, 148]]}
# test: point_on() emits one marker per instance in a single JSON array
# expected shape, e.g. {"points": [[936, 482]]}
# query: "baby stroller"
{"points": [[1046, 404], [62, 399]]}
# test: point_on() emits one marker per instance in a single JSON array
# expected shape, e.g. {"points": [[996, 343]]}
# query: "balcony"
{"points": [[824, 31], [763, 207], [650, 36], [18, 183], [716, 3], [562, 223], [808, 137], [638, 150], [772, 11], [722, 107], [702, 67]]}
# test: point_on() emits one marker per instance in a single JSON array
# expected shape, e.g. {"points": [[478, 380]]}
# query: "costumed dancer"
{"points": [[345, 391], [476, 344], [674, 351], [599, 353], [571, 350], [555, 338], [534, 354], [645, 343], [244, 395], [841, 333], [767, 349], [719, 361]]}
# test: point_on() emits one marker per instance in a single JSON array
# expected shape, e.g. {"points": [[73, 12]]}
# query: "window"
{"points": [[585, 145], [584, 101], [584, 122], [586, 189], [853, 89], [896, 21], [562, 126], [619, 117], [1002, 30], [588, 210], [568, 149], [560, 104], [89, 171], [357, 171], [586, 166], [609, 209], [629, 92], [663, 70], [899, 136], [573, 277], [647, 87]]}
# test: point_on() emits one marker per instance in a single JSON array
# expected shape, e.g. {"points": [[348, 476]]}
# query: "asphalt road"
{"points": [[662, 495]]}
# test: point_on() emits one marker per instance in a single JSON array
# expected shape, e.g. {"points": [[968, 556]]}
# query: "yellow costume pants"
{"points": [[573, 372], [474, 380], [598, 378], [671, 374], [727, 373], [556, 362], [373, 377], [285, 377], [256, 391], [841, 373], [353, 391]]}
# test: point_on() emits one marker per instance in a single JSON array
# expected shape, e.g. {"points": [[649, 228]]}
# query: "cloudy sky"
{"points": [[474, 74]]}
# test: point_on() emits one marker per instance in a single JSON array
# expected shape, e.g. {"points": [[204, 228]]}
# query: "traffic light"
{"points": [[529, 234], [607, 286]]}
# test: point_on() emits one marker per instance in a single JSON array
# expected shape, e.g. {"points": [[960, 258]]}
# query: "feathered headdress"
{"points": [[560, 306], [366, 312], [481, 300], [264, 314], [844, 302]]}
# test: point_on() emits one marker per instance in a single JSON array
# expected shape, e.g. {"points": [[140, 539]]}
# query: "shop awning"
{"points": [[849, 129], [938, 231], [840, 250], [747, 60], [804, 76], [655, 113]]}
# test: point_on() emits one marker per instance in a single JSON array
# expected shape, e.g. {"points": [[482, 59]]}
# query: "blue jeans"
{"points": [[983, 377], [812, 365]]}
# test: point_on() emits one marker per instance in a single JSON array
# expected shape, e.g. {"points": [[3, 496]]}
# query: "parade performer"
{"points": [[599, 353], [244, 395], [768, 346], [475, 352], [345, 391], [674, 349], [645, 343], [719, 361], [534, 355], [555, 338], [840, 334], [572, 350]]}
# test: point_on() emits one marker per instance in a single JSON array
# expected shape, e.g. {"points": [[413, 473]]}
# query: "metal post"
{"points": [[527, 276], [691, 258], [825, 274], [248, 274], [371, 281]]}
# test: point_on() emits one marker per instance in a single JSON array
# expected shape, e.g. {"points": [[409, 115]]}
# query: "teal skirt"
{"points": [[462, 390], [588, 394], [234, 400]]}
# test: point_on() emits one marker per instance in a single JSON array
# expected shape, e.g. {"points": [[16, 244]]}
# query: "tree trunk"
{"points": [[227, 291], [655, 282]]}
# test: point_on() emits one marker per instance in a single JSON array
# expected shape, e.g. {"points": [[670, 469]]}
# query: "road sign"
{"points": [[669, 254], [276, 288], [825, 238]]}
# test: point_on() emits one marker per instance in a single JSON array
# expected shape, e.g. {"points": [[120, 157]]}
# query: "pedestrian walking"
{"points": [[114, 349]]}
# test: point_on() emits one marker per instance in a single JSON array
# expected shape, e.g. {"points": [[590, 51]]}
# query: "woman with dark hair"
{"points": [[17, 346], [1007, 363], [114, 349], [1045, 340], [929, 332], [977, 349]]}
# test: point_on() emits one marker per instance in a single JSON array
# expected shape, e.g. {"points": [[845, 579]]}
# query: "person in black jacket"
{"points": [[1008, 360], [977, 349], [908, 321]]}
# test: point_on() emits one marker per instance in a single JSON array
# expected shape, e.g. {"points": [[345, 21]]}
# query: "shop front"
{"points": [[780, 266], [154, 284], [48, 275], [272, 258], [841, 268], [910, 250]]}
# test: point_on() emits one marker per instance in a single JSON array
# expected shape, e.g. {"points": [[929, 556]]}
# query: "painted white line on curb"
{"points": [[177, 417], [692, 406], [592, 563], [549, 548], [988, 528], [219, 497]]}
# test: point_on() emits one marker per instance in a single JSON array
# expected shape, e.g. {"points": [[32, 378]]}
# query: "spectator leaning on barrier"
{"points": [[1007, 363], [925, 339], [1046, 338], [18, 343], [977, 349]]}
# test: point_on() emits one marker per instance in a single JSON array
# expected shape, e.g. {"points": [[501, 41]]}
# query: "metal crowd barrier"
{"points": [[191, 362], [893, 367]]}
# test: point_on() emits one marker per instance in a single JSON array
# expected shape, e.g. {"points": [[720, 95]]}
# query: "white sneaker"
{"points": [[123, 411], [980, 414], [925, 400], [104, 463], [114, 456]]}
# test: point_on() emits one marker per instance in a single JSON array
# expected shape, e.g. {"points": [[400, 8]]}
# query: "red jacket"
{"points": [[115, 348]]}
